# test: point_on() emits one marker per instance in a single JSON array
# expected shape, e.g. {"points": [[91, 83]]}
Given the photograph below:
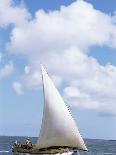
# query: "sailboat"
{"points": [[59, 133]]}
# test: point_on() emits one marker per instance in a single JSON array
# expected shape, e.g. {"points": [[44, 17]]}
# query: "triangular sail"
{"points": [[58, 127]]}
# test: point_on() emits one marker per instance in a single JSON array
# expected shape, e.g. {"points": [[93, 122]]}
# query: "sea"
{"points": [[95, 146]]}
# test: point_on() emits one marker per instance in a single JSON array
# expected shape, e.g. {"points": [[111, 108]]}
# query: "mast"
{"points": [[58, 127]]}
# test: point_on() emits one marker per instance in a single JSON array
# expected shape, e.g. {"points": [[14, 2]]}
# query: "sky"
{"points": [[76, 43]]}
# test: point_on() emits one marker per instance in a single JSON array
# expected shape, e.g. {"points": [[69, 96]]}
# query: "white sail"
{"points": [[58, 127]]}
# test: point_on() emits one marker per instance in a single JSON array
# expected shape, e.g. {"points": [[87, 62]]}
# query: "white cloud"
{"points": [[93, 86], [31, 77], [61, 40], [12, 14], [57, 80], [6, 70], [71, 26], [72, 92], [17, 87]]}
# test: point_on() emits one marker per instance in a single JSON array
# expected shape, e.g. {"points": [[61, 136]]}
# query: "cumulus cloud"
{"points": [[93, 85], [17, 87], [6, 70], [59, 30], [57, 80], [12, 14], [31, 77], [61, 39]]}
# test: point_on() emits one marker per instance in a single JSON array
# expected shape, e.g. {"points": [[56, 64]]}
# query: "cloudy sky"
{"points": [[76, 43]]}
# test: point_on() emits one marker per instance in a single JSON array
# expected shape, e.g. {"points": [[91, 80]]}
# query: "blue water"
{"points": [[96, 147]]}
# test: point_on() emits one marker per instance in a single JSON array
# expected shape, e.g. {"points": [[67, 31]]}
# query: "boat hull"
{"points": [[57, 151]]}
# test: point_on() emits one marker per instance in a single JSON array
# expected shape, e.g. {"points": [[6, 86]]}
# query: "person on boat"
{"points": [[16, 143], [28, 143]]}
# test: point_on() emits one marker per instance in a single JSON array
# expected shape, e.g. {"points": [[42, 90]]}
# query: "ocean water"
{"points": [[95, 147]]}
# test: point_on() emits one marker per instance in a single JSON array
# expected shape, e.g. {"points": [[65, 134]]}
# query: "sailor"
{"points": [[15, 143], [28, 141]]}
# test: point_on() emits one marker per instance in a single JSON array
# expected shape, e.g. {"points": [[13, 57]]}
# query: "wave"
{"points": [[4, 151], [106, 153]]}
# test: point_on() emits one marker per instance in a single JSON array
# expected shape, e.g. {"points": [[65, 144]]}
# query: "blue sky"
{"points": [[76, 42]]}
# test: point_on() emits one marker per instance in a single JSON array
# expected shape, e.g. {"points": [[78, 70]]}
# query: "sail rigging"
{"points": [[58, 127]]}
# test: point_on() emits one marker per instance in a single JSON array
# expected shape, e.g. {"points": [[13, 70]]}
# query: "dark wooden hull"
{"points": [[41, 151]]}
